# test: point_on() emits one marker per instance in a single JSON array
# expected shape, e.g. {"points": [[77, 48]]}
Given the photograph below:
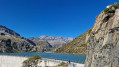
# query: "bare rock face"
{"points": [[103, 41], [6, 31], [12, 42]]}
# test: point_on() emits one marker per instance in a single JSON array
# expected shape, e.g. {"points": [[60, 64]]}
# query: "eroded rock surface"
{"points": [[103, 41]]}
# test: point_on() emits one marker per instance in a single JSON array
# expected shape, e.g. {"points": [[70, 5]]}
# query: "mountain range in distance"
{"points": [[12, 42], [56, 42]]}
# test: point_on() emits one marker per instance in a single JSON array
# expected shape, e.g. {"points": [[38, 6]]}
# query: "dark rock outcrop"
{"points": [[6, 31], [14, 45]]}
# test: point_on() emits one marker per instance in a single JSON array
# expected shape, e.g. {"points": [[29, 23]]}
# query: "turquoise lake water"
{"points": [[58, 56]]}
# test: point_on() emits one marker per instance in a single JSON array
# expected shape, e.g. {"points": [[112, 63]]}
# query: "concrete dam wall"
{"points": [[11, 61], [16, 61]]}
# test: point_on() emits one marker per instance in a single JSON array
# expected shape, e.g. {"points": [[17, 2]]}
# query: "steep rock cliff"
{"points": [[103, 41]]}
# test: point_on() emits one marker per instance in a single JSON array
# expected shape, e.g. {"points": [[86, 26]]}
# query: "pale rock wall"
{"points": [[103, 42]]}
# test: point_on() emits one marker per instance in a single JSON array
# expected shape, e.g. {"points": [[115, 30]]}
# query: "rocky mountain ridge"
{"points": [[77, 46], [6, 31], [12, 42], [56, 42]]}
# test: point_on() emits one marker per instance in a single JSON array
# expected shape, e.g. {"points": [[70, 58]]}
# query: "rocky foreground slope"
{"points": [[103, 41]]}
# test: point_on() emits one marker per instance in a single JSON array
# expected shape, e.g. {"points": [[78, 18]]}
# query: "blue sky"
{"points": [[66, 18]]}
